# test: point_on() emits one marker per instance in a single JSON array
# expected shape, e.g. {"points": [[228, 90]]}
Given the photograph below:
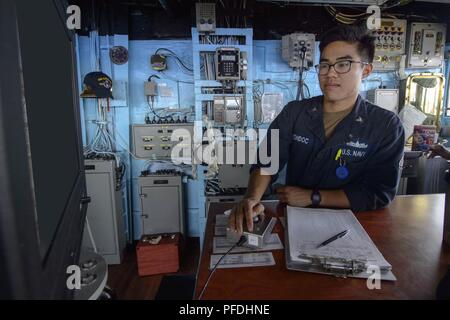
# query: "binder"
{"points": [[352, 256]]}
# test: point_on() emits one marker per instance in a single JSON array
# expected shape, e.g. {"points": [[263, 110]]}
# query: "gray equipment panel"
{"points": [[385, 98], [105, 214], [291, 49], [156, 141], [162, 204], [426, 44], [234, 176]]}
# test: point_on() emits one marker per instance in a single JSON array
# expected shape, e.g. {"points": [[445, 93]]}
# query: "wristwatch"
{"points": [[315, 198]]}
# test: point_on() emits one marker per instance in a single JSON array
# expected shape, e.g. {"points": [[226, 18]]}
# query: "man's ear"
{"points": [[368, 68]]}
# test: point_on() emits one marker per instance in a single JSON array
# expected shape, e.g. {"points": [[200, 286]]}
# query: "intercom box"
{"points": [[228, 63], [205, 14], [162, 257]]}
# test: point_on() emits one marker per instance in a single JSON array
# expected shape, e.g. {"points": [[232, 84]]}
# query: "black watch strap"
{"points": [[315, 198]]}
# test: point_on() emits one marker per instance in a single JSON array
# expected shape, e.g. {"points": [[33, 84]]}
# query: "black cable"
{"points": [[153, 111], [174, 55], [301, 83], [307, 89], [153, 75], [237, 244]]}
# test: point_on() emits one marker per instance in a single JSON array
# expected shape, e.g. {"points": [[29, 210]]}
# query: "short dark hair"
{"points": [[351, 34]]}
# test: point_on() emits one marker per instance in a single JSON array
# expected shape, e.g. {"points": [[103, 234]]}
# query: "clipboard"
{"points": [[337, 266]]}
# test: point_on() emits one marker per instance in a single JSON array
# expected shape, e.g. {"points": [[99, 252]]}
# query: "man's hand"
{"points": [[246, 208], [438, 150], [294, 196]]}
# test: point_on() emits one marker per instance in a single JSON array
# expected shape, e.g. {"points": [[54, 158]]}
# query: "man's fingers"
{"points": [[432, 154], [282, 197], [258, 209], [239, 219], [232, 219], [249, 215]]}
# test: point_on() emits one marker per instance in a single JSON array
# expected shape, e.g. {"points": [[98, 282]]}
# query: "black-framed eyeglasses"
{"points": [[340, 67]]}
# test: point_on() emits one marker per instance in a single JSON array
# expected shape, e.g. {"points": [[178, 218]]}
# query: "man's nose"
{"points": [[332, 72]]}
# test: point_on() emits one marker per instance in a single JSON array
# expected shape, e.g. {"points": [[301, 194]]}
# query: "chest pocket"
{"points": [[301, 149]]}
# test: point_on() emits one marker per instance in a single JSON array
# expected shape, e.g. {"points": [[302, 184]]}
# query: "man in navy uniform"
{"points": [[341, 151]]}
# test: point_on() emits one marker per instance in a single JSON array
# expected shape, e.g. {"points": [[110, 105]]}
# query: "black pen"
{"points": [[333, 238]]}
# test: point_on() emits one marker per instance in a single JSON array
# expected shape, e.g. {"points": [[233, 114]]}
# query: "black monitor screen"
{"points": [[47, 60]]}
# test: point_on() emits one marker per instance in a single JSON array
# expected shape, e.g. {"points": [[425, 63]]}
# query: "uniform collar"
{"points": [[357, 117]]}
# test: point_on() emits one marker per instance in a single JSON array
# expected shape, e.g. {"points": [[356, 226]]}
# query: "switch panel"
{"points": [[297, 45], [156, 141], [426, 44], [390, 42]]}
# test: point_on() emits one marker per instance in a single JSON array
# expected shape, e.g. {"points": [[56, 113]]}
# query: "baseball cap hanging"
{"points": [[97, 85]]}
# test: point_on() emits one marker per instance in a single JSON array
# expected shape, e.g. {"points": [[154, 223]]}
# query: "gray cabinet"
{"points": [[105, 211], [162, 204]]}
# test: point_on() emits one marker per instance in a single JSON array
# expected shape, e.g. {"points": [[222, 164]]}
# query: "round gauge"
{"points": [[118, 55]]}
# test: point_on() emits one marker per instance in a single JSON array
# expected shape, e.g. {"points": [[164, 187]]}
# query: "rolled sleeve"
{"points": [[377, 187]]}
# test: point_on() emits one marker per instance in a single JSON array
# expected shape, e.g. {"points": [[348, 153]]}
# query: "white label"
{"points": [[252, 240]]}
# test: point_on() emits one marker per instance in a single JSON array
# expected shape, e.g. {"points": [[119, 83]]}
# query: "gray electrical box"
{"points": [[426, 44], [229, 110], [235, 162], [385, 98], [156, 141], [105, 214], [233, 175], [205, 14], [162, 204], [294, 45]]}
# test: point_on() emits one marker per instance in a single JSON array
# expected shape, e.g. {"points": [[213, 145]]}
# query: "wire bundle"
{"points": [[102, 144], [183, 66], [343, 17]]}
